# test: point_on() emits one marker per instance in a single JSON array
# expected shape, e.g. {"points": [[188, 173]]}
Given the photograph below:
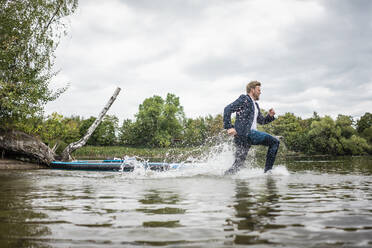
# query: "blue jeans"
{"points": [[243, 143]]}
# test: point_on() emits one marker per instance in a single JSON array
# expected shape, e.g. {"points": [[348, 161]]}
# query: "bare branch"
{"points": [[66, 154], [53, 16]]}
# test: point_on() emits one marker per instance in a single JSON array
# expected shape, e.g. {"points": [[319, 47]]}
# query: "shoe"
{"points": [[268, 172], [231, 171]]}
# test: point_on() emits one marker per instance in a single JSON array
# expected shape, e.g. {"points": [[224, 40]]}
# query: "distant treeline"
{"points": [[324, 135], [162, 123], [158, 123]]}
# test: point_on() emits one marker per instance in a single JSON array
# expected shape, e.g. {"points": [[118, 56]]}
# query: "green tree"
{"points": [[84, 126], [60, 131], [364, 127], [367, 134], [148, 120], [53, 129], [72, 129], [286, 124], [158, 121], [202, 130], [345, 123], [315, 117], [195, 132], [29, 34], [324, 137], [127, 133], [106, 131], [355, 145], [293, 129], [327, 136], [214, 125], [364, 122]]}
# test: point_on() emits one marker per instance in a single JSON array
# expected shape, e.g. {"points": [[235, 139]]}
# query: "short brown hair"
{"points": [[251, 85]]}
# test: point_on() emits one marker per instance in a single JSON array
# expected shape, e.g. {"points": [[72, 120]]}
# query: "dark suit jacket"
{"points": [[243, 106]]}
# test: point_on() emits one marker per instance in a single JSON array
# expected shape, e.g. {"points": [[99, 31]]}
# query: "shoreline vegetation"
{"points": [[178, 154], [156, 131], [151, 154], [174, 154], [161, 132], [186, 139]]}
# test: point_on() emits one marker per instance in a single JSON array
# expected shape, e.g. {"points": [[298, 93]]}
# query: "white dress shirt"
{"points": [[254, 123]]}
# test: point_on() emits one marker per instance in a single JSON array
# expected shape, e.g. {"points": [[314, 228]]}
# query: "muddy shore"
{"points": [[12, 164]]}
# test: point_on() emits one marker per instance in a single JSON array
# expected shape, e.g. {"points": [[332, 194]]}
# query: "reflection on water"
{"points": [[316, 203], [254, 212], [20, 226], [157, 202], [340, 165], [159, 197]]}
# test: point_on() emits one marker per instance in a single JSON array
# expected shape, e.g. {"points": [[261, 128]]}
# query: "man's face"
{"points": [[256, 92]]}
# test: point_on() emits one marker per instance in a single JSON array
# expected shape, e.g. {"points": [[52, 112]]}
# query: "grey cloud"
{"points": [[333, 51], [179, 8], [212, 68]]}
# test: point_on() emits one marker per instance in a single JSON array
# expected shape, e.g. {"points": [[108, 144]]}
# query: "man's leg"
{"points": [[262, 138], [242, 148]]}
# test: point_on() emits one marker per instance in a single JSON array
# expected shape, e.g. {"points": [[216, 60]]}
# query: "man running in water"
{"points": [[245, 130]]}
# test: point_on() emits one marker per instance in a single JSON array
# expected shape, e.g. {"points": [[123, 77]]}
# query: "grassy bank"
{"points": [[152, 154]]}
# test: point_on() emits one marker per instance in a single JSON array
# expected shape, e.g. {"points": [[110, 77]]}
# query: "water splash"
{"points": [[213, 162]]}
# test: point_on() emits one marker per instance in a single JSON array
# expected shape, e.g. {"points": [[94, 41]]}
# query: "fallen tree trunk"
{"points": [[23, 146], [18, 143], [66, 154]]}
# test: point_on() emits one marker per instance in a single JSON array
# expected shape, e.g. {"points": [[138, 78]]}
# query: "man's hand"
{"points": [[231, 132], [271, 112]]}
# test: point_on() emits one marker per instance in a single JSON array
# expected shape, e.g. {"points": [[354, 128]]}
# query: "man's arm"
{"points": [[269, 118], [231, 108]]}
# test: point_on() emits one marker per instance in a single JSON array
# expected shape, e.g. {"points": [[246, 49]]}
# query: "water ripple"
{"points": [[292, 207]]}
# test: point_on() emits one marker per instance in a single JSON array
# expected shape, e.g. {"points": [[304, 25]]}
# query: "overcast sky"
{"points": [[309, 55]]}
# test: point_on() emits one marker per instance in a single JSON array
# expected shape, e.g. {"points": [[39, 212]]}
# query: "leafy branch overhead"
{"points": [[29, 35]]}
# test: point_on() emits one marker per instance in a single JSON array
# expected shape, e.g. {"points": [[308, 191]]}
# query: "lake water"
{"points": [[303, 203]]}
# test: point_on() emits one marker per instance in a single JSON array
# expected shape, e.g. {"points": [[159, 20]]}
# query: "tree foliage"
{"points": [[364, 126], [158, 123], [321, 135], [324, 136], [127, 133], [29, 34], [106, 132], [195, 132], [162, 123], [60, 131], [293, 129], [364, 122]]}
